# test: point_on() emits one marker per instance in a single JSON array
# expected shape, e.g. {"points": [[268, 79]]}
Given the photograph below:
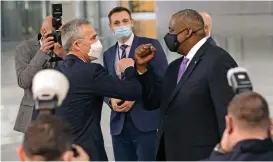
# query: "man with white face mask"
{"points": [[89, 83], [133, 129]]}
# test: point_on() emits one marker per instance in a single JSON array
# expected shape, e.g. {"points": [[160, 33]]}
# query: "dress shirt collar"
{"points": [[195, 48], [129, 42]]}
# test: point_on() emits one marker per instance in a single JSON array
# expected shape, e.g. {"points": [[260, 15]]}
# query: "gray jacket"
{"points": [[29, 59]]}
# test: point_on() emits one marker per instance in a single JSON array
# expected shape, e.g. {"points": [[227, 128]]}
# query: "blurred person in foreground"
{"points": [[89, 84], [246, 136], [133, 128], [32, 56], [48, 139], [208, 25], [194, 93]]}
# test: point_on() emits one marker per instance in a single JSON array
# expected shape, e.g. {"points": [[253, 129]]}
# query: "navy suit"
{"points": [[89, 83], [192, 111], [139, 123], [247, 150], [211, 41]]}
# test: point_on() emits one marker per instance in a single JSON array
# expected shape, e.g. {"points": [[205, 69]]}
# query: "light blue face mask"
{"points": [[122, 32]]}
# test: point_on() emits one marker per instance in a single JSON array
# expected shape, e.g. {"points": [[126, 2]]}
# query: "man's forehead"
{"points": [[87, 29], [176, 22], [120, 15]]}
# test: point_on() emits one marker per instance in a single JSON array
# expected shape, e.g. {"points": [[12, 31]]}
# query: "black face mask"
{"points": [[172, 42]]}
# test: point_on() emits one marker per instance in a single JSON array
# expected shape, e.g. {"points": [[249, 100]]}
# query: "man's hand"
{"points": [[47, 43], [82, 155], [224, 142], [125, 107], [143, 55], [59, 50], [125, 63]]}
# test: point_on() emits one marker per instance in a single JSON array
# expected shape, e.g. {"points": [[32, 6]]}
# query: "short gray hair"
{"points": [[70, 31], [193, 20]]}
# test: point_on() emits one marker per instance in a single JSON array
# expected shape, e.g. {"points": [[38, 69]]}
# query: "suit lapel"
{"points": [[112, 59], [194, 62], [133, 48]]}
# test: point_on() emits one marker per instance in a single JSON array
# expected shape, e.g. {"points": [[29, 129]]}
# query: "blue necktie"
{"points": [[123, 55]]}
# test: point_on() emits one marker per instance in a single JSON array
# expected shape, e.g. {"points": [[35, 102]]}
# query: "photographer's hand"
{"points": [[47, 43], [82, 155], [59, 50]]}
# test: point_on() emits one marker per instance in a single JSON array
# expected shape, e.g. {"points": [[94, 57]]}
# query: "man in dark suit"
{"points": [[89, 83], [208, 25], [133, 128], [246, 137], [194, 93], [32, 56]]}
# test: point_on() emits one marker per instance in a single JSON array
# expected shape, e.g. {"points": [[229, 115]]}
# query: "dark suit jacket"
{"points": [[144, 120], [192, 111], [211, 41], [89, 83], [247, 150]]}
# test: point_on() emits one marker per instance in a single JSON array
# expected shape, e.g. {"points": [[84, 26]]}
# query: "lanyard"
{"points": [[118, 53]]}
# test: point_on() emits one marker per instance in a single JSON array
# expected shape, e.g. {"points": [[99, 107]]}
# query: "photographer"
{"points": [[47, 139], [247, 133], [32, 56]]}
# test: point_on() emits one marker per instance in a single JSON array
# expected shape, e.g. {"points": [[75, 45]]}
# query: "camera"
{"points": [[239, 80], [56, 23], [49, 94]]}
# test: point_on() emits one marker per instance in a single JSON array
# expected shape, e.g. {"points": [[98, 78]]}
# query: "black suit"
{"points": [[192, 111], [247, 150], [89, 83], [211, 41]]}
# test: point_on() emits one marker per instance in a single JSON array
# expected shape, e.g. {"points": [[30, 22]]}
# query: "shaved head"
{"points": [[190, 19], [47, 24], [250, 110], [208, 22]]}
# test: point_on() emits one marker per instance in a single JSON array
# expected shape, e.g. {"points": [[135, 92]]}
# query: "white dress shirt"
{"points": [[194, 50], [129, 43]]}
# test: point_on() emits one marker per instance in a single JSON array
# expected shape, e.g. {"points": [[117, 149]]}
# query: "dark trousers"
{"points": [[34, 114], [134, 145]]}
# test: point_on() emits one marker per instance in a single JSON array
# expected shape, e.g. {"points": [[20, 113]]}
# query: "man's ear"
{"points": [[111, 27], [229, 124], [67, 156], [21, 153], [76, 46], [189, 33], [132, 23]]}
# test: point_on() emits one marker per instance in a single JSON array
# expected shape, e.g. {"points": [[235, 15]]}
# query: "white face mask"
{"points": [[95, 50]]}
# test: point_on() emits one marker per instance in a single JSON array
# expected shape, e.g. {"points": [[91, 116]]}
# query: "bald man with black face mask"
{"points": [[32, 56], [194, 93]]}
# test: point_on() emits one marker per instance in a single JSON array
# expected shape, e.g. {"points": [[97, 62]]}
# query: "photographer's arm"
{"points": [[26, 67]]}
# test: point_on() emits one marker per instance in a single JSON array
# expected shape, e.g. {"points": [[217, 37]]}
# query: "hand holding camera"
{"points": [[47, 43]]}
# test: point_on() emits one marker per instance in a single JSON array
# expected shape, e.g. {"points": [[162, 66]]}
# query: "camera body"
{"points": [[239, 80], [56, 23]]}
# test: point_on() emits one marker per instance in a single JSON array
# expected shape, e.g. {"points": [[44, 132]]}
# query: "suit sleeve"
{"points": [[105, 85], [151, 89], [26, 67], [106, 99], [160, 62], [221, 92]]}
